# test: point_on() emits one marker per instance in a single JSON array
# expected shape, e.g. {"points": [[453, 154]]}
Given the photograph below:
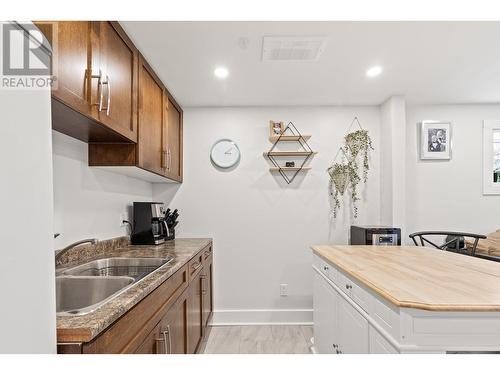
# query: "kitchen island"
{"points": [[404, 299]]}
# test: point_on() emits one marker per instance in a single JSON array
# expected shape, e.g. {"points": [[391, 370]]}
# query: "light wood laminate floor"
{"points": [[271, 339]]}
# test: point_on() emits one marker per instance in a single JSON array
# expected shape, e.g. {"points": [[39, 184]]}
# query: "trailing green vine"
{"points": [[359, 142], [345, 174], [339, 177]]}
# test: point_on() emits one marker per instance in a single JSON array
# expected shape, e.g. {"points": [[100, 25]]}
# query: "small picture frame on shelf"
{"points": [[276, 128], [435, 140]]}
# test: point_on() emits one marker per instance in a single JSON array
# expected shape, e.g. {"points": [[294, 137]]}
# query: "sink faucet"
{"points": [[92, 241]]}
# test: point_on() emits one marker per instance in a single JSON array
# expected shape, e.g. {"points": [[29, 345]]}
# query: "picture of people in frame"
{"points": [[436, 140]]}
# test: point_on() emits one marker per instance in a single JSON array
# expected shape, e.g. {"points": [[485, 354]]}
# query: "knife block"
{"points": [[171, 230]]}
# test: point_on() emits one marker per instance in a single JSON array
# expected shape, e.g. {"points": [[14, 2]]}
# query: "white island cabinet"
{"points": [[404, 300]]}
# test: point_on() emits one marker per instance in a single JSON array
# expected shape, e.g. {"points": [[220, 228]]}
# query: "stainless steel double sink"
{"points": [[82, 289]]}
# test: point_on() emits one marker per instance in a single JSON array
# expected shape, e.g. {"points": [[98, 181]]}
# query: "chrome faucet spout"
{"points": [[92, 241]]}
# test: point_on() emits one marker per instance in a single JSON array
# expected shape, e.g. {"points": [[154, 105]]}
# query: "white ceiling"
{"points": [[428, 62]]}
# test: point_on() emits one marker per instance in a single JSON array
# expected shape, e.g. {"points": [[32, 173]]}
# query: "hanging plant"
{"points": [[359, 142], [339, 176], [352, 171], [345, 174]]}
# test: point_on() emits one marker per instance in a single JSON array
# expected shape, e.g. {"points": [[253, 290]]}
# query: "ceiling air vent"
{"points": [[292, 48]]}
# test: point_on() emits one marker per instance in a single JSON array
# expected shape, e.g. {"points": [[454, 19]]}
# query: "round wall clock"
{"points": [[225, 153]]}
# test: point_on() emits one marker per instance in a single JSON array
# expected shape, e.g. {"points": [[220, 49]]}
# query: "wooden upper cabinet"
{"points": [[71, 61], [108, 96], [173, 140], [118, 85], [150, 148]]}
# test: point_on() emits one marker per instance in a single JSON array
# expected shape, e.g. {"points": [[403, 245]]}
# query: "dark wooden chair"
{"points": [[455, 241]]}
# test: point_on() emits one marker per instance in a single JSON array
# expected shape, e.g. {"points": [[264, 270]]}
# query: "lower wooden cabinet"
{"points": [[195, 309], [169, 336], [206, 287], [170, 320]]}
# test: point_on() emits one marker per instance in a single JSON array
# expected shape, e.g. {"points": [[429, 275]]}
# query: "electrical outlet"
{"points": [[283, 290], [123, 216]]}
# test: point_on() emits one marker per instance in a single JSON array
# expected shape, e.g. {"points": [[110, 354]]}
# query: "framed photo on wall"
{"points": [[276, 128], [435, 140], [491, 157]]}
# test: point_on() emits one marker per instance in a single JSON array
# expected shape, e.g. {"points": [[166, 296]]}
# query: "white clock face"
{"points": [[225, 153]]}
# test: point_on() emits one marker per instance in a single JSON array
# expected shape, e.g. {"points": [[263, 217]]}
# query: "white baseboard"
{"points": [[262, 317]]}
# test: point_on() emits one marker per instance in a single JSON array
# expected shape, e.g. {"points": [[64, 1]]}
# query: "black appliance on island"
{"points": [[376, 235], [153, 224]]}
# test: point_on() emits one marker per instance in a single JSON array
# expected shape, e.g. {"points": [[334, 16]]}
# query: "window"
{"points": [[496, 156], [491, 157]]}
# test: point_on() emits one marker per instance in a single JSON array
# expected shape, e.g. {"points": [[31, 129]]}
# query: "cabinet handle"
{"points": [[325, 268], [203, 284], [196, 266], [163, 160], [108, 100], [160, 341], [168, 342], [99, 89]]}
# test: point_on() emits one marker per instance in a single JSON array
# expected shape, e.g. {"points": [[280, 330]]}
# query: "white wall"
{"points": [[88, 201], [27, 276], [447, 195], [262, 228]]}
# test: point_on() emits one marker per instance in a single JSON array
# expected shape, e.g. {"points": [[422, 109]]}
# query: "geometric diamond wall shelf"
{"points": [[290, 134]]}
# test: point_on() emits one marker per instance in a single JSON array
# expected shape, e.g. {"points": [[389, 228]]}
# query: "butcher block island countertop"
{"points": [[419, 277]]}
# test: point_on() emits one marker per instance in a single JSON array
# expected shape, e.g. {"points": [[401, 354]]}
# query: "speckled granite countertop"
{"points": [[83, 328]]}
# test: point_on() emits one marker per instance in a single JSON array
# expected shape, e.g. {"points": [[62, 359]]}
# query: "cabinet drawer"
{"points": [[326, 269], [195, 265], [207, 252], [359, 295]]}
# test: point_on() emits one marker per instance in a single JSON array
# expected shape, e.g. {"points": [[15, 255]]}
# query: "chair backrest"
{"points": [[452, 242]]}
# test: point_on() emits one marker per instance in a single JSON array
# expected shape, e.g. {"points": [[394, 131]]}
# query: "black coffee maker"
{"points": [[149, 227]]}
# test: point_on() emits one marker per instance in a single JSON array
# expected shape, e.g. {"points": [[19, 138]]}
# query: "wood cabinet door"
{"points": [[71, 61], [152, 344], [195, 316], [173, 327], [173, 140], [150, 120], [118, 64], [206, 291], [353, 329], [325, 302]]}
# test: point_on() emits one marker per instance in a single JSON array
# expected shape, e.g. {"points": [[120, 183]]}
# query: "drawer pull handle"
{"points": [[196, 266], [326, 268]]}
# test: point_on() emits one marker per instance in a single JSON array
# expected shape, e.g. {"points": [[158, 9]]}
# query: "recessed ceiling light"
{"points": [[221, 72], [374, 71]]}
